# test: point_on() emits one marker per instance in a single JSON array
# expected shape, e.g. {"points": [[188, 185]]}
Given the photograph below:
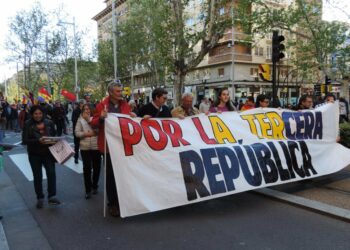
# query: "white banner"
{"points": [[164, 163]]}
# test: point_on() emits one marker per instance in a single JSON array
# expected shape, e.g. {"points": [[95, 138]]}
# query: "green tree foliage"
{"points": [[25, 38], [168, 37], [311, 41]]}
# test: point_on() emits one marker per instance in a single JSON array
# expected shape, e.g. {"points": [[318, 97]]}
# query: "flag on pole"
{"points": [[44, 94], [68, 95]]}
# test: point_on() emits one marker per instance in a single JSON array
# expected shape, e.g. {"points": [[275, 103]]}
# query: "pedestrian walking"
{"points": [[39, 154], [90, 154], [113, 103], [75, 117]]}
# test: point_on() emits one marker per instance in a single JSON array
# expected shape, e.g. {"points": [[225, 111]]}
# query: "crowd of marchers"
{"points": [[88, 118]]}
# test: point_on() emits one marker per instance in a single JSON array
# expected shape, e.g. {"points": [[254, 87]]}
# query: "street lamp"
{"points": [[75, 56]]}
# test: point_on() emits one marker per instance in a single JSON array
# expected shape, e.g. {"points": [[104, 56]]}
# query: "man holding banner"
{"points": [[113, 103]]}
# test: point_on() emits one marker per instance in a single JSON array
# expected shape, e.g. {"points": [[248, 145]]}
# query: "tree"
{"points": [[312, 42], [161, 38], [25, 39]]}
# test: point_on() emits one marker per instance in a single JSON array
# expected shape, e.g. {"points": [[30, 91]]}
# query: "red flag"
{"points": [[70, 96]]}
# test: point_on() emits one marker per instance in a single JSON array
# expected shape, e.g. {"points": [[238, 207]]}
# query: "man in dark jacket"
{"points": [[156, 108]]}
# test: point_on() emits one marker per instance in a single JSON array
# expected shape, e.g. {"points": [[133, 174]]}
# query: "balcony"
{"points": [[227, 57], [238, 36]]}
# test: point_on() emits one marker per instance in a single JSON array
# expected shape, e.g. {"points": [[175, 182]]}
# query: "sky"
{"points": [[84, 10]]}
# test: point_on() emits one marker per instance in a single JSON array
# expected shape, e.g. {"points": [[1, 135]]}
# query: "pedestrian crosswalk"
{"points": [[22, 162]]}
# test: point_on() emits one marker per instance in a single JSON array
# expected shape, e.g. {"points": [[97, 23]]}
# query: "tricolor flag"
{"points": [[44, 94]]}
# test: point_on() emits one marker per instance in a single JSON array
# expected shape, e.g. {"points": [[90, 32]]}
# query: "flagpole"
{"points": [[104, 175]]}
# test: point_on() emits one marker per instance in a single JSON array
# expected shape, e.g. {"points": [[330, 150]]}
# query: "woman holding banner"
{"points": [[35, 129], [223, 102], [90, 154]]}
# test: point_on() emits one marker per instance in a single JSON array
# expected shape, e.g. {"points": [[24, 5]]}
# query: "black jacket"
{"points": [[149, 109], [31, 136]]}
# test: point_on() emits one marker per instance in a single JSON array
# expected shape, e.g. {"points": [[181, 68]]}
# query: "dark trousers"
{"points": [[60, 126], [91, 162], [76, 147], [36, 163], [111, 187]]}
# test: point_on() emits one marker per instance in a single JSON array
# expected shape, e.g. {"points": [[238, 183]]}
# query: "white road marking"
{"points": [[75, 167], [3, 240], [22, 162]]}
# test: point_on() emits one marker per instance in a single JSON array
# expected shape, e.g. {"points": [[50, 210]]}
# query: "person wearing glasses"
{"points": [[186, 108], [90, 154], [113, 103], [262, 101], [157, 107]]}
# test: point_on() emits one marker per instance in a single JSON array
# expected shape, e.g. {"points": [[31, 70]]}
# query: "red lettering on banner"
{"points": [[129, 139], [202, 133], [159, 144], [176, 136]]}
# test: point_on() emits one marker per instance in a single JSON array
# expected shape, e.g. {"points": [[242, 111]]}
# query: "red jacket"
{"points": [[97, 123]]}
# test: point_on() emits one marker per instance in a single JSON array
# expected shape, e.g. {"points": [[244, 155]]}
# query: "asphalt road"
{"points": [[240, 221]]}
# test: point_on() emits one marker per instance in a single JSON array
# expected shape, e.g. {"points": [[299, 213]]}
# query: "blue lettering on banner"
{"points": [[252, 163]]}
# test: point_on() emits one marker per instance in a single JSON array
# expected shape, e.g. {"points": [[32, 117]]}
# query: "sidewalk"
{"points": [[17, 220], [328, 194]]}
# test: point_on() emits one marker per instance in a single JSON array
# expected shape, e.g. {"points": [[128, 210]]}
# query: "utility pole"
{"points": [[48, 66], [114, 31], [233, 91]]}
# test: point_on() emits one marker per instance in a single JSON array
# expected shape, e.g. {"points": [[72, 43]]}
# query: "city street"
{"points": [[242, 221]]}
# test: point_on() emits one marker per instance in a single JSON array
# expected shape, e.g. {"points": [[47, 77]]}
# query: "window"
{"points": [[254, 71], [259, 51], [221, 72], [268, 52]]}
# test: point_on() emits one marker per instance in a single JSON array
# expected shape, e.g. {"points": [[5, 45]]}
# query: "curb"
{"points": [[341, 213]]}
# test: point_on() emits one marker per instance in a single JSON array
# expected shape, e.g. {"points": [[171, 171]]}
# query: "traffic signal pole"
{"points": [[277, 48]]}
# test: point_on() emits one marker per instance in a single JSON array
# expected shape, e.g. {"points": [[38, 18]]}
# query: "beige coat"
{"points": [[180, 111], [86, 143]]}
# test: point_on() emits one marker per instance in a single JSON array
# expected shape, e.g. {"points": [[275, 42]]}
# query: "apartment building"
{"points": [[238, 61]]}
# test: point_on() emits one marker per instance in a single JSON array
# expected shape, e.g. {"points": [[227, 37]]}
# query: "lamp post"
{"points": [[75, 56], [233, 52]]}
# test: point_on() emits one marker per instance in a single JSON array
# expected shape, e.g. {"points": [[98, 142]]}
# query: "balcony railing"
{"points": [[228, 57], [238, 36]]}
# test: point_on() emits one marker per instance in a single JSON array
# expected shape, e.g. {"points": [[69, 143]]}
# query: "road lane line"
{"points": [[3, 240], [22, 162], [78, 168]]}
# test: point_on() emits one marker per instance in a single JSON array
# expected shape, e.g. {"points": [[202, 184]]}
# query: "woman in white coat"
{"points": [[90, 154]]}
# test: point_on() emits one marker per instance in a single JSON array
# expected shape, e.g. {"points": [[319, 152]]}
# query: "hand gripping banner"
{"points": [[164, 163]]}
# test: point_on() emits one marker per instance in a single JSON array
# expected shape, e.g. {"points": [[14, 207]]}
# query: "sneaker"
{"points": [[54, 201], [87, 196], [95, 191], [40, 204], [113, 211], [76, 161]]}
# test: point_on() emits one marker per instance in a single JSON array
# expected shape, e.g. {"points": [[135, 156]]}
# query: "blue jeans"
{"points": [[36, 163]]}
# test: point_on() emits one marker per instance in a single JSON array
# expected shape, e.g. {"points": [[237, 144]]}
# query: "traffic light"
{"points": [[277, 46], [127, 91], [328, 80], [265, 72]]}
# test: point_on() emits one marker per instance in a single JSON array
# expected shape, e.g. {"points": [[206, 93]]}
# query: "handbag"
{"points": [[61, 151]]}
